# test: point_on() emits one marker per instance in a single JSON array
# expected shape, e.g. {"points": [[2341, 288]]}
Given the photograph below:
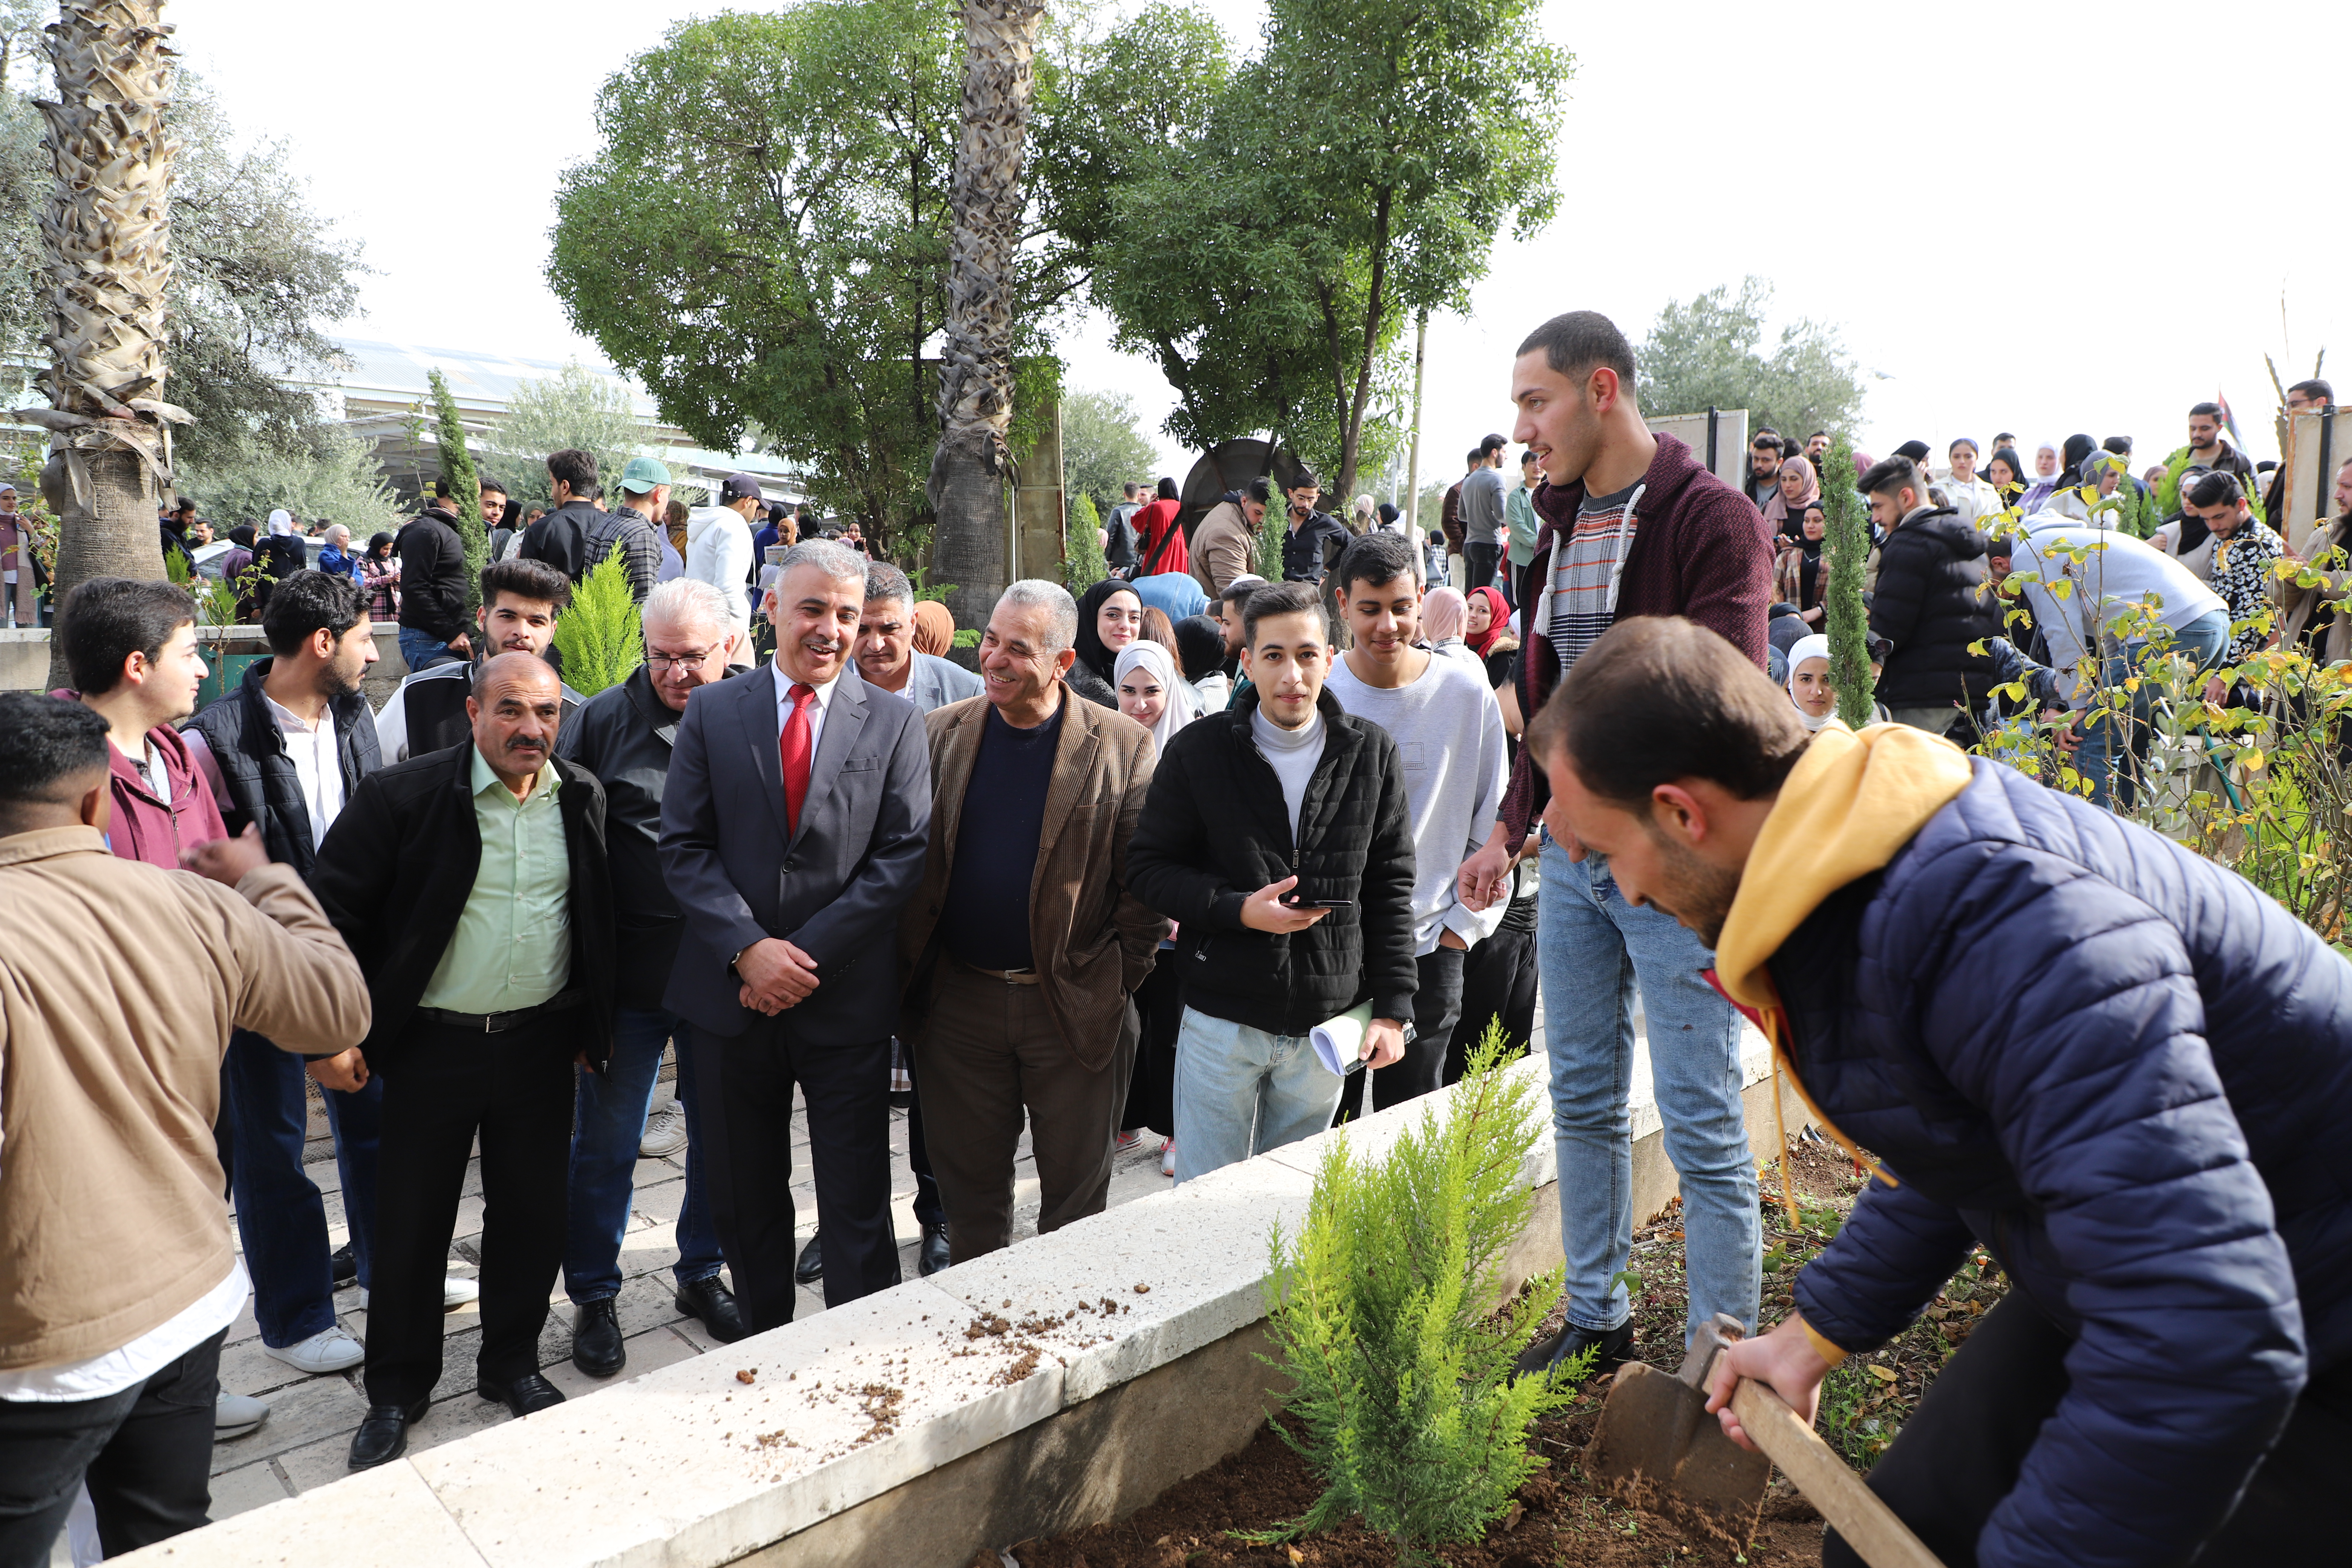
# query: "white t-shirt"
{"points": [[139, 1359]]}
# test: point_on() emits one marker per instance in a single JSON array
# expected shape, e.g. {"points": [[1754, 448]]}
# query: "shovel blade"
{"points": [[1657, 1447]]}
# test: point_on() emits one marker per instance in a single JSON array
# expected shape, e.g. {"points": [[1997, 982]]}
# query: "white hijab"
{"points": [[1179, 703], [1803, 649], [281, 522]]}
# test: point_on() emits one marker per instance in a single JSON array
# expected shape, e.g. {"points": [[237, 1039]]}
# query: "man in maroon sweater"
{"points": [[1632, 525]]}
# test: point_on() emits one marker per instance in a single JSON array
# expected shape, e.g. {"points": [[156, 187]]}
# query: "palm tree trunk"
{"points": [[969, 469], [106, 236]]}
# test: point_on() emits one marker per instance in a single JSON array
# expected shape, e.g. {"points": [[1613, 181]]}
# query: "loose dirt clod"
{"points": [[746, 1375]]}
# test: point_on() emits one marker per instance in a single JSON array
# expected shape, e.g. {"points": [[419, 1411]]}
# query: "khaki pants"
{"points": [[988, 1054]]}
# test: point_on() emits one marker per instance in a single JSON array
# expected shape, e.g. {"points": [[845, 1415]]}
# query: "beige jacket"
{"points": [[2299, 605], [118, 984], [1093, 943], [1222, 547]]}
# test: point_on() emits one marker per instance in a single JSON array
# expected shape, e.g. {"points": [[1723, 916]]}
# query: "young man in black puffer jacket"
{"points": [[1276, 834], [1931, 602]]}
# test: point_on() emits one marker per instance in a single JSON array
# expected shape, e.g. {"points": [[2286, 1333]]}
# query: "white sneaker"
{"points": [[329, 1349], [234, 1415], [1168, 1158], [457, 1291], [665, 1132]]}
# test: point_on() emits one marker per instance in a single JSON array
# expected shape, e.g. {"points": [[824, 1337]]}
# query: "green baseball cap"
{"points": [[643, 474]]}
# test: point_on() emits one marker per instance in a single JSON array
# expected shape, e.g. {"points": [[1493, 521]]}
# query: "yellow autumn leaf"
{"points": [[1884, 1373]]}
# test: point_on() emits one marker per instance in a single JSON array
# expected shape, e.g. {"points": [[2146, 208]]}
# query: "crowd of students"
{"points": [[1197, 853]]}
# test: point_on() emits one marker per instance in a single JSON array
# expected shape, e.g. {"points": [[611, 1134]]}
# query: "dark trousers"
{"points": [[445, 1086], [1478, 562], [280, 1216], [1959, 1454], [1421, 1070], [1499, 980], [992, 1054], [746, 1085], [145, 1454], [929, 1210]]}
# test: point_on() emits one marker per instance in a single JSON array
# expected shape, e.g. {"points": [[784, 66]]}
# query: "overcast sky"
{"points": [[2019, 215]]}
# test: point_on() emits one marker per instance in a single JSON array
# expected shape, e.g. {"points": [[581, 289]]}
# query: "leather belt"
{"points": [[499, 1022], [1010, 976]]}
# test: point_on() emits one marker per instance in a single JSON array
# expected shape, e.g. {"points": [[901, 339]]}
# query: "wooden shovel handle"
{"points": [[1868, 1525]]}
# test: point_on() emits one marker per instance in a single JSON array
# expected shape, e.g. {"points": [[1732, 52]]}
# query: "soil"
{"points": [[1564, 1519]]}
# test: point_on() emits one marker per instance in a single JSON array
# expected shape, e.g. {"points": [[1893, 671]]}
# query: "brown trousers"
{"points": [[989, 1052]]}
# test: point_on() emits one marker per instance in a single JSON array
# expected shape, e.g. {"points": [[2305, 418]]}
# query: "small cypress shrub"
{"points": [[1272, 533], [1845, 547], [465, 484], [1384, 1309], [599, 635], [1083, 566]]}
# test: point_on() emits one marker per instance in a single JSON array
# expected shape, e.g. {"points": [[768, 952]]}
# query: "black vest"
{"points": [[262, 784]]}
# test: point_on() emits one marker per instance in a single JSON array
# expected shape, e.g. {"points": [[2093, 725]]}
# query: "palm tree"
{"points": [[106, 233], [968, 470]]}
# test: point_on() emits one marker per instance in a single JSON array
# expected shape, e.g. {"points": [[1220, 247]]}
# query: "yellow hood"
{"points": [[1850, 802]]}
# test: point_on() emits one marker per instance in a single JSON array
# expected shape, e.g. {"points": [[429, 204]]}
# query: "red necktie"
{"points": [[793, 746]]}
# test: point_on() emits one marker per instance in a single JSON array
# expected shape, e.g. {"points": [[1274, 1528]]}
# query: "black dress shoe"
{"points": [[526, 1394], [596, 1347], [1615, 1347], [811, 1268], [343, 1266], [383, 1436], [933, 1257], [715, 1304]]}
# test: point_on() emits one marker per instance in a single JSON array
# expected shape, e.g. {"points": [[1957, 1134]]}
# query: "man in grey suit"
{"points": [[887, 655], [795, 825]]}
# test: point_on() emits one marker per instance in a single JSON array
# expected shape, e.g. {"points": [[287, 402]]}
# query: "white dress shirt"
{"points": [[784, 684], [312, 750]]}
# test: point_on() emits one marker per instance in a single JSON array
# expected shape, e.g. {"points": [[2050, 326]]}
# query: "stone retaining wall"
{"points": [[1060, 1382]]}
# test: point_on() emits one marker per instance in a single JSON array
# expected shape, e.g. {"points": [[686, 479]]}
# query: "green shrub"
{"points": [[1845, 551], [1273, 532], [1384, 1309], [600, 636], [1083, 566]]}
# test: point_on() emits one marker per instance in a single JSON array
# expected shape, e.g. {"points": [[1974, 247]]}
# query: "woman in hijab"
{"points": [[1158, 542], [2006, 473], [1359, 515], [2051, 473], [1797, 572], [1110, 616], [1201, 659], [1444, 615], [1487, 633], [1785, 508], [935, 628], [1151, 693], [1809, 681], [379, 578]]}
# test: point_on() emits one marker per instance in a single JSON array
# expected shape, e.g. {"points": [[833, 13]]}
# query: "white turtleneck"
{"points": [[1292, 753]]}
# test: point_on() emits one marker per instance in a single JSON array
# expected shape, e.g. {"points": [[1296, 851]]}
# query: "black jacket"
{"points": [[280, 555], [432, 575], [575, 538], [624, 735], [250, 751], [1215, 830], [1310, 550], [1931, 604], [396, 868]]}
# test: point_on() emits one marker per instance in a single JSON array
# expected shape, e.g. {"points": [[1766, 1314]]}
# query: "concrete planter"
{"points": [[229, 651], [1061, 1383]]}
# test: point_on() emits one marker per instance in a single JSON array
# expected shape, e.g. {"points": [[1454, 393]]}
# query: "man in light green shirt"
{"points": [[512, 946], [1521, 523]]}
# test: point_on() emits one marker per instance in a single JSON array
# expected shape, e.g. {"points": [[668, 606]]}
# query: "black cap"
{"points": [[740, 487], [1915, 450]]}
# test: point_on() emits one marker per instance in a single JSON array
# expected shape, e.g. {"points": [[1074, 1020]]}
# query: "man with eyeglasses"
{"points": [[624, 735]]}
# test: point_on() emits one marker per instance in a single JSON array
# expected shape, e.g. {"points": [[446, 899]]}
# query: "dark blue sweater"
{"points": [[2128, 1074]]}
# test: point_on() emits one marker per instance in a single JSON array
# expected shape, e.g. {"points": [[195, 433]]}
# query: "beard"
{"points": [[1694, 892]]}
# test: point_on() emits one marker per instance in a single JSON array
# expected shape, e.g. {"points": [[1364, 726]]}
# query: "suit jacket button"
{"points": [[790, 865]]}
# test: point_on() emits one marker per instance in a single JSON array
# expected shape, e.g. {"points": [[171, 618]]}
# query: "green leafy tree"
{"points": [[1083, 566], [575, 407], [1846, 545], [336, 478], [599, 634], [1351, 176], [465, 485], [1383, 1306], [1104, 449], [1710, 351]]}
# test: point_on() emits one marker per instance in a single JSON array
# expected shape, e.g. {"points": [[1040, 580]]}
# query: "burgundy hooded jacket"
{"points": [[1700, 549]]}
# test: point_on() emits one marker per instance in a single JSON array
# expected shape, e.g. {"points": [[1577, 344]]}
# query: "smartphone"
{"points": [[1322, 903]]}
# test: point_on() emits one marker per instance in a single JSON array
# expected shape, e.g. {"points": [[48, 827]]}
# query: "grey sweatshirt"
{"points": [[1482, 509], [1449, 732]]}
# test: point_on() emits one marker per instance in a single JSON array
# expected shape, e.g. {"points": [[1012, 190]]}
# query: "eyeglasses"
{"points": [[662, 662]]}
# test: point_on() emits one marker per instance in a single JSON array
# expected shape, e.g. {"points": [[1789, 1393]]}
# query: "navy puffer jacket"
{"points": [[2128, 1074]]}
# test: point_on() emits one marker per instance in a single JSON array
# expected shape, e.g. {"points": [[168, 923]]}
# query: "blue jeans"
{"points": [[423, 651], [609, 1123], [2115, 743], [280, 1218], [1592, 949], [1240, 1092]]}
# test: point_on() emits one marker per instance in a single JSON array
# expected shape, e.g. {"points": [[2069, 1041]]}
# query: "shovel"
{"points": [[1658, 1446]]}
